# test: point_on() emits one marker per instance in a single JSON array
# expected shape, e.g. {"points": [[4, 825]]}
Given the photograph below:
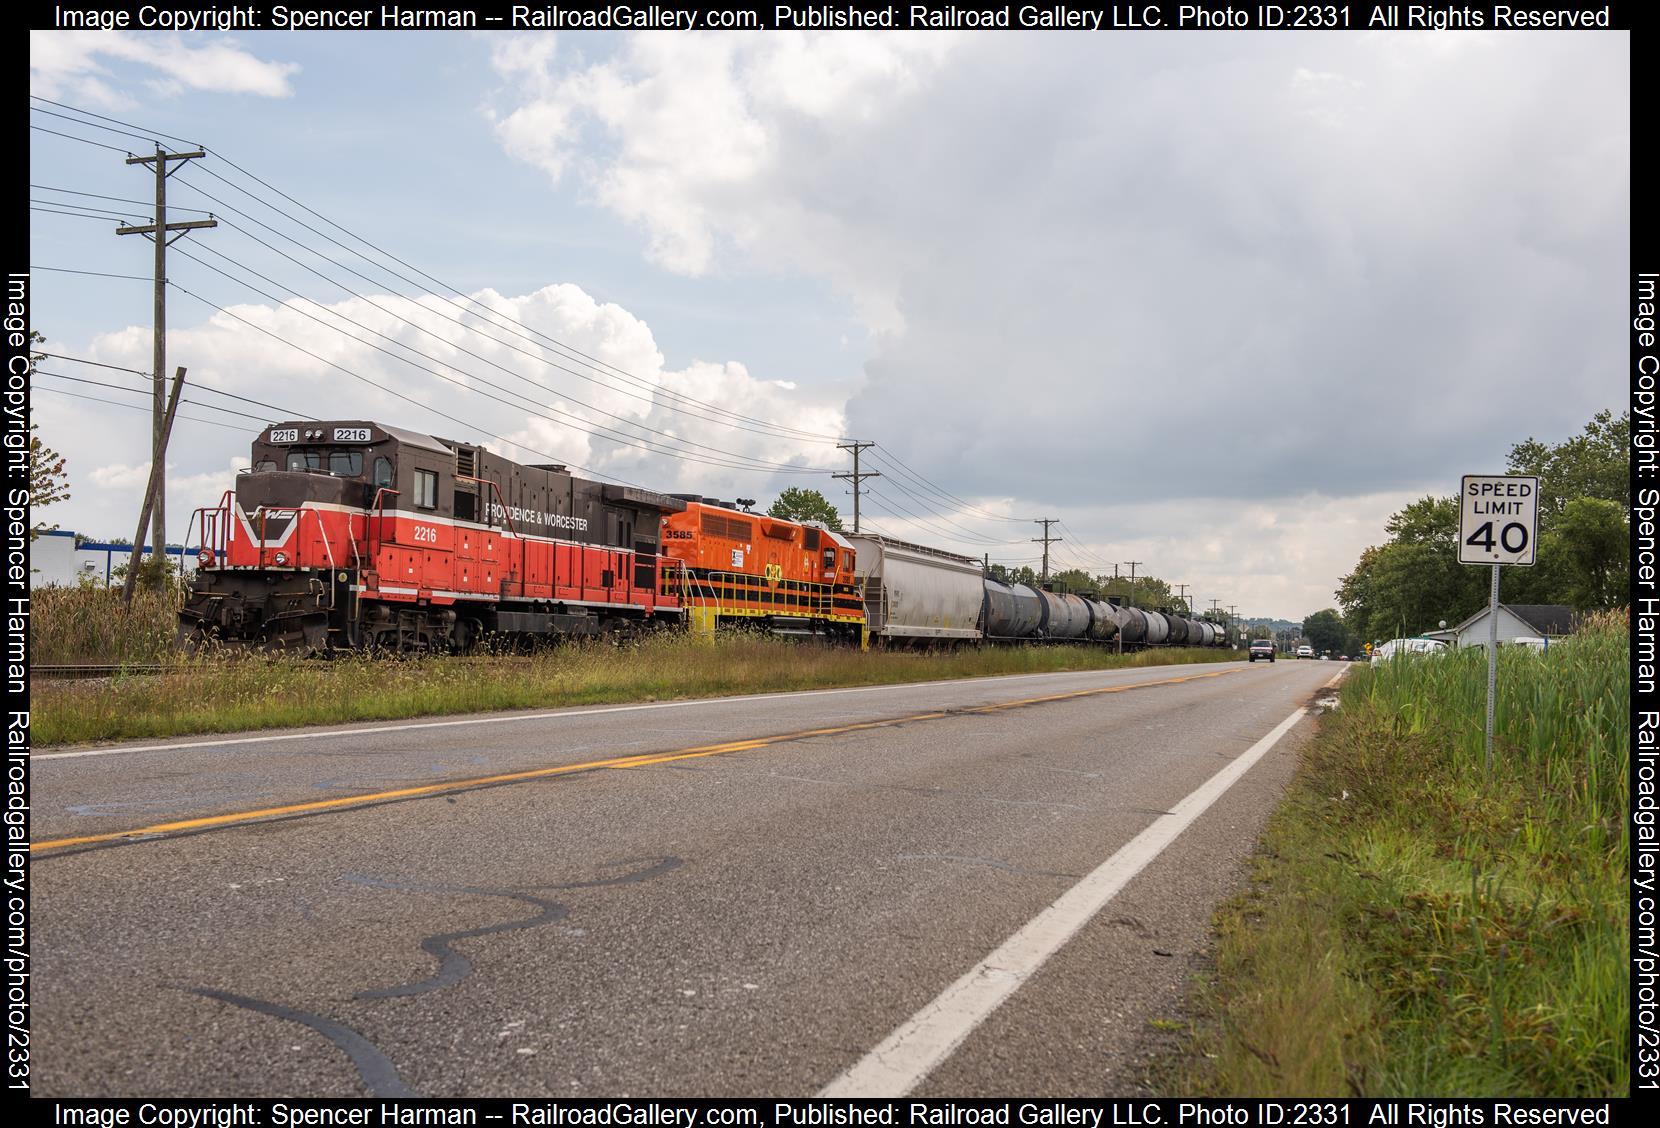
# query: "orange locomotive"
{"points": [[748, 569]]}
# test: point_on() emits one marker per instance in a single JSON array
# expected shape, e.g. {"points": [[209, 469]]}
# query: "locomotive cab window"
{"points": [[830, 559], [383, 472], [305, 460], [426, 489], [346, 463], [263, 465]]}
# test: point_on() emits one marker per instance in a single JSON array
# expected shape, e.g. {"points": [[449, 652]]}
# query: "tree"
{"points": [[1590, 548], [1595, 463], [1075, 580], [48, 483], [1325, 631], [797, 504]]}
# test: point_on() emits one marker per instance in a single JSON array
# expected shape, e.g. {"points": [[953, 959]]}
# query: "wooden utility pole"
{"points": [[1132, 564], [856, 477], [157, 232], [152, 491], [1046, 540]]}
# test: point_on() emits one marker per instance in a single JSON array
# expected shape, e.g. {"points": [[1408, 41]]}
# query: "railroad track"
{"points": [[80, 670], [77, 671]]}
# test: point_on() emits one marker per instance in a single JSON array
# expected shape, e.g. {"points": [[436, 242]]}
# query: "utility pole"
{"points": [[1233, 617], [856, 477], [1132, 564], [152, 492], [1046, 540], [157, 232], [1182, 595]]}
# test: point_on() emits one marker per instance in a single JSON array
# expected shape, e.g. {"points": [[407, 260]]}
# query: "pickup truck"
{"points": [[1262, 648]]}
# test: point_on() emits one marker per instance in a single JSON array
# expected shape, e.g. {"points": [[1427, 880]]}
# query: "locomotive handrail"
{"points": [[501, 501], [328, 549], [220, 531], [378, 505]]}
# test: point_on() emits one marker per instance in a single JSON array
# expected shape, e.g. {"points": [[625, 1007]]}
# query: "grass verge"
{"points": [[235, 694], [1415, 928]]}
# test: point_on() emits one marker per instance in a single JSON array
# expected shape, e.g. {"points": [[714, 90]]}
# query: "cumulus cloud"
{"points": [[725, 146], [1198, 277], [76, 65], [603, 399]]}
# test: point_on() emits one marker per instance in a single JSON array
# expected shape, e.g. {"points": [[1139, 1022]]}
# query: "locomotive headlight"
{"points": [[282, 558], [204, 558]]}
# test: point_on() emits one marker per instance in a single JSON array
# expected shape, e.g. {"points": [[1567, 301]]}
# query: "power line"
{"points": [[105, 217], [82, 140], [116, 121], [94, 125], [261, 419], [93, 273], [971, 537], [561, 350], [96, 363], [668, 396], [760, 462], [575, 422], [889, 456], [197, 387], [141, 407], [400, 396], [577, 352], [117, 199]]}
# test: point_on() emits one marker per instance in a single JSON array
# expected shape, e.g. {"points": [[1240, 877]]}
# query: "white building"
{"points": [[56, 558], [1521, 621]]}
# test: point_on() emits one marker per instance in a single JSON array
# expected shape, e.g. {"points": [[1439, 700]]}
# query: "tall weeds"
{"points": [[1451, 932]]}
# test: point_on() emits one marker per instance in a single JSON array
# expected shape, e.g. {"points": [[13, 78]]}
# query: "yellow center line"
{"points": [[641, 760]]}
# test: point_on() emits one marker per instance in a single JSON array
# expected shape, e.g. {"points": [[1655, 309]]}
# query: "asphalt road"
{"points": [[733, 897]]}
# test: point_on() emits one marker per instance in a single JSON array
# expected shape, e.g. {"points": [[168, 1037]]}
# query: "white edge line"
{"points": [[122, 749], [919, 1044]]}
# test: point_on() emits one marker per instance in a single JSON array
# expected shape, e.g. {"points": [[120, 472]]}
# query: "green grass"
{"points": [[87, 624], [233, 694], [1417, 928]]}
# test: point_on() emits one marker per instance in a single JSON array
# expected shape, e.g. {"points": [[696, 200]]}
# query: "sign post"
{"points": [[1498, 524]]}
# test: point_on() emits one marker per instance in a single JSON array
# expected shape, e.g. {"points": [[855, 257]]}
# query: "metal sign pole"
{"points": [[1492, 663]]}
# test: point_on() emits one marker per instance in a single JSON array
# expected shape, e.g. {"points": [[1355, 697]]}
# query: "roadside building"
{"points": [[1521, 621], [64, 559]]}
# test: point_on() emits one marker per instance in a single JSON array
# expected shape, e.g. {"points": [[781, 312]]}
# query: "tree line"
{"points": [[1413, 580]]}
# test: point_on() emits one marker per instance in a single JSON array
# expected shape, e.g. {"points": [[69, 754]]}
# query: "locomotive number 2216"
{"points": [[426, 533]]}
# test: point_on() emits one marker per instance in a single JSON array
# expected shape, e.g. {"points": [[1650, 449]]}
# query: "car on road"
{"points": [[1402, 646], [1305, 652], [1262, 648]]}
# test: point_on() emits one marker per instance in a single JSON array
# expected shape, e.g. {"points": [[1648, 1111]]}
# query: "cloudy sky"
{"points": [[1218, 302]]}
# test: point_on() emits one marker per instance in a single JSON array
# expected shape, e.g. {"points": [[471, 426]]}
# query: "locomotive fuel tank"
{"points": [[1011, 611], [913, 592]]}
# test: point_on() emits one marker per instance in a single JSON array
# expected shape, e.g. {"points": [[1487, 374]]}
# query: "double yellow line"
{"points": [[640, 761]]}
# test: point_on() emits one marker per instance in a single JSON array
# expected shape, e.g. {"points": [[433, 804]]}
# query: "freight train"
{"points": [[915, 594], [355, 534]]}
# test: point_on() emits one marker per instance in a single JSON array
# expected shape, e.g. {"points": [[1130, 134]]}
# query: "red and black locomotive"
{"points": [[356, 534], [347, 535]]}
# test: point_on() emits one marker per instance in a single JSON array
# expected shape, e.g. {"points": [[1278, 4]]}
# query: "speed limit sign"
{"points": [[1498, 520]]}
